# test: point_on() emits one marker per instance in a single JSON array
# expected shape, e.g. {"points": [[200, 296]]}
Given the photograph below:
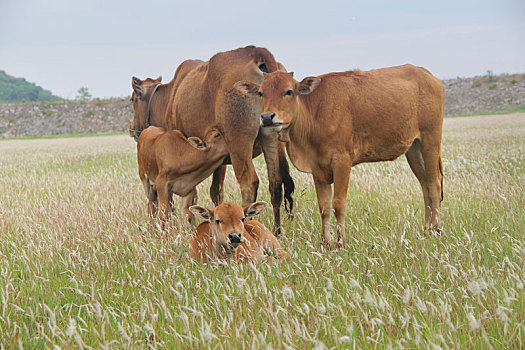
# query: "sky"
{"points": [[63, 45]]}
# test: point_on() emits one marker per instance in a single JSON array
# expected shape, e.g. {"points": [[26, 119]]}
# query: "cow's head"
{"points": [[142, 90], [279, 94], [227, 221]]}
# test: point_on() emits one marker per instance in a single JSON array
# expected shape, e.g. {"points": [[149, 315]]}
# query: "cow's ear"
{"points": [[254, 209], [308, 85], [247, 87], [136, 84], [159, 78], [198, 144], [203, 213]]}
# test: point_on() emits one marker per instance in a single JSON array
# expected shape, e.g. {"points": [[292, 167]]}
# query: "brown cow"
{"points": [[150, 101], [206, 97], [170, 163], [338, 120], [227, 235], [152, 111]]}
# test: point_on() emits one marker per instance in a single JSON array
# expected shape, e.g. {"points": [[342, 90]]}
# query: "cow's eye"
{"points": [[131, 99], [243, 219], [259, 93], [218, 222], [288, 93], [218, 134]]}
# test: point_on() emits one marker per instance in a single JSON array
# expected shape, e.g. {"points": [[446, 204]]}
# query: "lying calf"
{"points": [[171, 163], [227, 234]]}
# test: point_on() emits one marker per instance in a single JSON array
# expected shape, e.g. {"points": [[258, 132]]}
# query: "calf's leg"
{"points": [[164, 209], [417, 164], [341, 170], [187, 202], [324, 196]]}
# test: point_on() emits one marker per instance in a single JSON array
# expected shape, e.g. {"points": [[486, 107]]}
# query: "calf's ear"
{"points": [[136, 84], [254, 209], [202, 212], [308, 85], [198, 143], [247, 87]]}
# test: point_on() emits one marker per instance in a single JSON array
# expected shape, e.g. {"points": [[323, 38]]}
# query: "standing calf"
{"points": [[338, 120], [170, 163], [227, 235]]}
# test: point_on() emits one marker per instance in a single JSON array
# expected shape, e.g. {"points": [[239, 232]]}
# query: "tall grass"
{"points": [[81, 267]]}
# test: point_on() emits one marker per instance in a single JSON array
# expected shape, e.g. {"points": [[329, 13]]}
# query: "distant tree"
{"points": [[83, 94]]}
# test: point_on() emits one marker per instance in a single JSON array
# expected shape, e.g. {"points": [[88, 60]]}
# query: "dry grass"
{"points": [[79, 266]]}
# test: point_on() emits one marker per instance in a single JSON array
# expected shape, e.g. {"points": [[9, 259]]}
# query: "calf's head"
{"points": [[213, 143], [279, 94], [142, 90], [227, 221]]}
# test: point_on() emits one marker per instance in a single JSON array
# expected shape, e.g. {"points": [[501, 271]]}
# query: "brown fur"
{"points": [[338, 120], [205, 97], [169, 163], [211, 239]]}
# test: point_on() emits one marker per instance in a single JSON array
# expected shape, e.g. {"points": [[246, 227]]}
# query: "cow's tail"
{"points": [[288, 183], [442, 176]]}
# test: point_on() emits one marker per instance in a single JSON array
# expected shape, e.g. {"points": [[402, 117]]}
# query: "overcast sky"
{"points": [[65, 44]]}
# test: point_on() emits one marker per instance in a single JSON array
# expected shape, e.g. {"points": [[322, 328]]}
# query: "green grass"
{"points": [[80, 266]]}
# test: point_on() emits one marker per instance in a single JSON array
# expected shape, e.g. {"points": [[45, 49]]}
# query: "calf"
{"points": [[228, 235], [170, 163], [335, 121]]}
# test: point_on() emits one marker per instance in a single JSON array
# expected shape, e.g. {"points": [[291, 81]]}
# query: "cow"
{"points": [[228, 234], [337, 120], [150, 101], [206, 97], [169, 163], [152, 111]]}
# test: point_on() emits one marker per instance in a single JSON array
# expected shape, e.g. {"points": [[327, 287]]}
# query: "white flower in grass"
{"points": [[472, 322]]}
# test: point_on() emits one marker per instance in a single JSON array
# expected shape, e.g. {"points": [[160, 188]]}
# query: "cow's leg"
{"points": [[324, 197], [431, 152], [217, 185], [270, 145], [163, 199], [246, 175], [187, 202], [341, 170], [417, 164]]}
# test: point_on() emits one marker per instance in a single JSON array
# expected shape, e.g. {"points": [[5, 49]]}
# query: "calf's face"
{"points": [[279, 97], [227, 221]]}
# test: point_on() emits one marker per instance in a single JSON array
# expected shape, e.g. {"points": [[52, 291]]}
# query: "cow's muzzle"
{"points": [[268, 120], [235, 239]]}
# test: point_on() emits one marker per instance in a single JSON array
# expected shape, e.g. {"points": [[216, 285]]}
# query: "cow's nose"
{"points": [[234, 237], [267, 118]]}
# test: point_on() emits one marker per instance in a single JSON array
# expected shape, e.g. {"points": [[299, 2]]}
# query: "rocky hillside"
{"points": [[482, 94], [64, 117], [463, 96]]}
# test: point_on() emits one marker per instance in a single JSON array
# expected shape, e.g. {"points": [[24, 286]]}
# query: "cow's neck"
{"points": [[301, 138], [159, 106]]}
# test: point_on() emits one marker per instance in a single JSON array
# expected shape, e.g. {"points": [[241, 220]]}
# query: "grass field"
{"points": [[79, 266]]}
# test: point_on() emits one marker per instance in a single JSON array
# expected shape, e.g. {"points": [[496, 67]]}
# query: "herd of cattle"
{"points": [[242, 103]]}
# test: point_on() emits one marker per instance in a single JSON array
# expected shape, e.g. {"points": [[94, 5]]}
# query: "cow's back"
{"points": [[377, 109], [206, 96]]}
